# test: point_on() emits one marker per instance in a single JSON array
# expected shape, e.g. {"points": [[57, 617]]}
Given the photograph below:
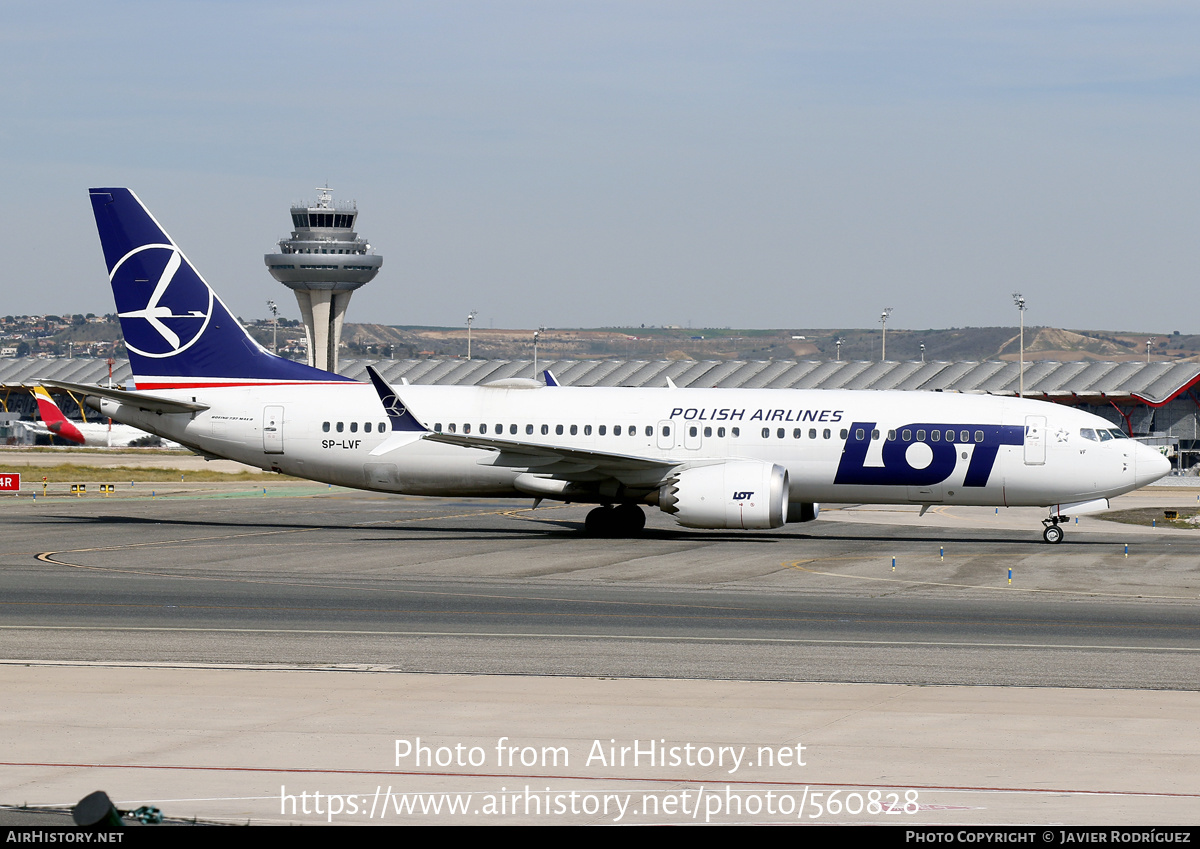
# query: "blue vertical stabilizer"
{"points": [[178, 332]]}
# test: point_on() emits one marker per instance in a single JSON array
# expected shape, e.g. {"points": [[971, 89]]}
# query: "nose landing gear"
{"points": [[1052, 533]]}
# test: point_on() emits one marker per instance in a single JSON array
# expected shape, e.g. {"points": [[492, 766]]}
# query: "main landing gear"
{"points": [[622, 520], [1053, 534]]}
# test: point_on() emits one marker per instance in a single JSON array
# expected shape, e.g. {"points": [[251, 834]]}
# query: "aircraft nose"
{"points": [[1149, 465]]}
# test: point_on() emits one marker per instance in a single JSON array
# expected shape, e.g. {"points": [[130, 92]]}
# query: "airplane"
{"points": [[710, 458], [90, 434]]}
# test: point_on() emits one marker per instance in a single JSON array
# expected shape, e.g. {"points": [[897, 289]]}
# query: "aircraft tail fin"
{"points": [[177, 331], [402, 420], [55, 421]]}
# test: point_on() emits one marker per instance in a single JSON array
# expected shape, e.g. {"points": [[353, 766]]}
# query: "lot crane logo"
{"points": [[394, 406], [163, 304]]}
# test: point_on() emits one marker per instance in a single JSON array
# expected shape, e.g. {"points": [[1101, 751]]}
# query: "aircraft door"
{"points": [[1035, 440], [273, 430], [666, 434], [692, 438]]}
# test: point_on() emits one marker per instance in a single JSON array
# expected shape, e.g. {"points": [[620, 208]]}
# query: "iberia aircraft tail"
{"points": [[178, 332], [56, 422]]}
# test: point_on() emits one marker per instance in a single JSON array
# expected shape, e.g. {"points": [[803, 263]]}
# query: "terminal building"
{"points": [[323, 262], [1157, 402]]}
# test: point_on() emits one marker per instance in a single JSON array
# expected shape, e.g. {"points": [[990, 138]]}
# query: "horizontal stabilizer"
{"points": [[140, 400]]}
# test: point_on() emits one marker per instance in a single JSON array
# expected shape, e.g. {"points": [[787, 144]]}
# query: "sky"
{"points": [[584, 164]]}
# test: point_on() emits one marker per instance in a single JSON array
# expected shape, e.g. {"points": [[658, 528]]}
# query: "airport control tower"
{"points": [[323, 263]]}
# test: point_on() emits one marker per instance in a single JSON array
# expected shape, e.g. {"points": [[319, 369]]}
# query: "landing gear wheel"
{"points": [[619, 521], [599, 522], [1053, 534], [631, 519]]}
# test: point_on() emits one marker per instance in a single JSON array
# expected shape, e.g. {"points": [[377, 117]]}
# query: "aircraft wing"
{"points": [[513, 452], [141, 400], [601, 460]]}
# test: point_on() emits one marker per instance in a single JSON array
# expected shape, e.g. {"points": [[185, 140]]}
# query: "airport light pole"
{"points": [[922, 352], [838, 342], [274, 326], [1019, 300], [470, 319], [883, 317], [537, 333], [1149, 342]]}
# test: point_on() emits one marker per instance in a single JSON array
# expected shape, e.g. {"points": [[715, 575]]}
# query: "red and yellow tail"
{"points": [[58, 424]]}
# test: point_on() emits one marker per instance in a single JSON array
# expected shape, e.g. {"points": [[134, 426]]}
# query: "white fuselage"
{"points": [[837, 446]]}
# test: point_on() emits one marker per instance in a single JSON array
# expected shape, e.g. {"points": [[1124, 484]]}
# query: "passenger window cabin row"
{"points": [[568, 430], [860, 434], [352, 427], [907, 435]]}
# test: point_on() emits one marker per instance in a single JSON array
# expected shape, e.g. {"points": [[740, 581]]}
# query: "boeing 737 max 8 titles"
{"points": [[711, 458]]}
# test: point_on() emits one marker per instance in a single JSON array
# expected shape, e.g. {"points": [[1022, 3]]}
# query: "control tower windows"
{"points": [[335, 220]]}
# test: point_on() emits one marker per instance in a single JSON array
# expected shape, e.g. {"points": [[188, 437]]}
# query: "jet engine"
{"points": [[736, 494]]}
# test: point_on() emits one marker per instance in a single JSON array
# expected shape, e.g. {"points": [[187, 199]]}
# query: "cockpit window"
{"points": [[1118, 433], [1105, 435], [1088, 433]]}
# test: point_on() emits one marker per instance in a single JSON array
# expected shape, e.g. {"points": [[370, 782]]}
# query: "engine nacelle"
{"points": [[736, 494]]}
